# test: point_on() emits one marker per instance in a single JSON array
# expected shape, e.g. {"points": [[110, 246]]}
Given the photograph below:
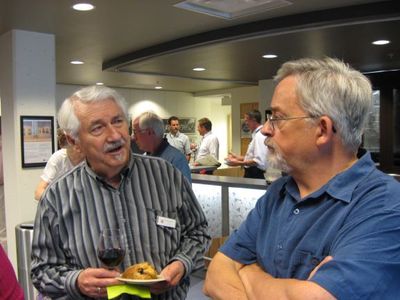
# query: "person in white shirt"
{"points": [[59, 163], [176, 138], [255, 160], [209, 144]]}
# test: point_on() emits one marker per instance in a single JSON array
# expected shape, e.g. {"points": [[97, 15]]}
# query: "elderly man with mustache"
{"points": [[146, 198], [328, 230]]}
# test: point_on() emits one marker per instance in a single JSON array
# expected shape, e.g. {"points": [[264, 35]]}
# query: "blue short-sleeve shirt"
{"points": [[355, 218]]}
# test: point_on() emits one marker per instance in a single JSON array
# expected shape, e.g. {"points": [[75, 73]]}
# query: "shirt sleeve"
{"points": [[260, 151], [366, 261], [52, 168], [195, 238], [213, 147], [51, 272], [241, 245], [187, 146]]}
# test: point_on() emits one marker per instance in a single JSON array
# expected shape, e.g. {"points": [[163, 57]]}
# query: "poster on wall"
{"points": [[245, 131], [37, 142]]}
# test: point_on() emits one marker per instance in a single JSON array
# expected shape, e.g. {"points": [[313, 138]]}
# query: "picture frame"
{"points": [[245, 132], [37, 140], [188, 125]]}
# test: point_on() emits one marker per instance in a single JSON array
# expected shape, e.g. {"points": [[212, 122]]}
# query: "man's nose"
{"points": [[113, 132], [266, 129]]}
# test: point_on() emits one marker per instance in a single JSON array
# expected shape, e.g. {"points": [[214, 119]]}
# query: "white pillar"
{"points": [[27, 87]]}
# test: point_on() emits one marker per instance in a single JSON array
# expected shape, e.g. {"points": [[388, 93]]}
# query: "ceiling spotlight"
{"points": [[158, 87], [270, 56], [199, 69], [77, 62], [99, 83], [381, 42], [83, 6]]}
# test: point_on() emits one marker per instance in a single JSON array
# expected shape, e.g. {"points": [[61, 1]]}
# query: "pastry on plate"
{"points": [[140, 271]]}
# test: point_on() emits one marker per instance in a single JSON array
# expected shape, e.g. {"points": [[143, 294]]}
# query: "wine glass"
{"points": [[110, 249]]}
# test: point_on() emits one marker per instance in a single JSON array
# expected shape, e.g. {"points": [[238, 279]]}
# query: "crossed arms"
{"points": [[228, 279]]}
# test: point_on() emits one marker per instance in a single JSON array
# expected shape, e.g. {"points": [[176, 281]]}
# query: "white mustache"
{"points": [[114, 145]]}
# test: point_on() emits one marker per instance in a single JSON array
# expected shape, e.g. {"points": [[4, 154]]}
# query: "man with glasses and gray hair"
{"points": [[148, 129], [328, 229]]}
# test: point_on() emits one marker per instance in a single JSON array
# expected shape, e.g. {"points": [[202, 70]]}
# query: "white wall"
{"points": [[166, 104], [27, 83], [181, 104]]}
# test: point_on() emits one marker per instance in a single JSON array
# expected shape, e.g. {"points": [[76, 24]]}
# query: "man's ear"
{"points": [[325, 131], [74, 143]]}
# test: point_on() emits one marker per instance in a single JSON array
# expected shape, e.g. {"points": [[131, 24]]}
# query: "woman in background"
{"points": [[59, 163]]}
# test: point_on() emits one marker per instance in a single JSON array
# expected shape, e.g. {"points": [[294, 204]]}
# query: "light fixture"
{"points": [[83, 6], [381, 42], [99, 83], [270, 56], [158, 87], [231, 9], [76, 62], [199, 69]]}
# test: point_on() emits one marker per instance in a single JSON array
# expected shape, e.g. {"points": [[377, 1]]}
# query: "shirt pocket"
{"points": [[166, 222], [302, 264]]}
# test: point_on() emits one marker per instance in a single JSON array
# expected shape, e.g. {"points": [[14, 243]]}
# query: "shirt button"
{"points": [[296, 211]]}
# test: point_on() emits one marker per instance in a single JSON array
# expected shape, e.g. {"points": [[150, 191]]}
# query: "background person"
{"points": [[148, 131], [209, 144], [255, 160], [145, 197], [9, 286], [326, 231], [176, 138], [59, 163]]}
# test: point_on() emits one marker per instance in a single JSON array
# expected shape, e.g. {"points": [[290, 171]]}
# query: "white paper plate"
{"points": [[144, 282]]}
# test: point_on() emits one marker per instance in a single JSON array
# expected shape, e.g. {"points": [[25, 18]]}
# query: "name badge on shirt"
{"points": [[166, 222]]}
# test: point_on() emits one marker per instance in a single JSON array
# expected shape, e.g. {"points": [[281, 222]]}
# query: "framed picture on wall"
{"points": [[245, 131], [37, 142], [188, 125]]}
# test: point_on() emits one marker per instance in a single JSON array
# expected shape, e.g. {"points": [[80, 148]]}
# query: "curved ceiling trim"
{"points": [[372, 12]]}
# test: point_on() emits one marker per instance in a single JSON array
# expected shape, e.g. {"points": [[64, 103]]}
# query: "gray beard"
{"points": [[276, 161]]}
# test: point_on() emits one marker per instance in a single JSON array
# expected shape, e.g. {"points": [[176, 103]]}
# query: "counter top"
{"points": [[230, 181]]}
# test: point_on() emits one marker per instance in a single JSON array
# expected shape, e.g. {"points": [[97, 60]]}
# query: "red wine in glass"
{"points": [[111, 250]]}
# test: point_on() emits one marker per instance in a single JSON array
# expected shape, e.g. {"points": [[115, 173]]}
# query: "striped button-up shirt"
{"points": [[78, 205]]}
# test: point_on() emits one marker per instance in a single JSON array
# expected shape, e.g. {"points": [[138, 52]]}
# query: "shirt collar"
{"points": [[341, 186], [124, 172], [174, 135]]}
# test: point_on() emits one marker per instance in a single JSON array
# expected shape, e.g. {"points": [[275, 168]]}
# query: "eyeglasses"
{"points": [[139, 130], [273, 121]]}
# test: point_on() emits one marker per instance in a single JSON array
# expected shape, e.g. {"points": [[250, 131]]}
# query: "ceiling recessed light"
{"points": [[229, 9], [77, 62], [270, 56], [83, 6], [158, 87], [381, 42], [199, 69], [99, 83]]}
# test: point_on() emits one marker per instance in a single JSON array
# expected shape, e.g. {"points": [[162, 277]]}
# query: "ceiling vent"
{"points": [[231, 9]]}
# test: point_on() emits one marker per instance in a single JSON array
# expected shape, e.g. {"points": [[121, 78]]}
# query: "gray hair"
{"points": [[332, 88], [151, 120], [67, 118]]}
